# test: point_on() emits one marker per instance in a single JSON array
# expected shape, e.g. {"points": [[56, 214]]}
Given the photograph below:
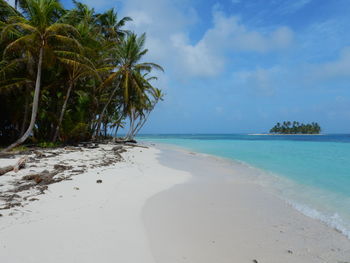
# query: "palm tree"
{"points": [[77, 66], [111, 27], [131, 83], [158, 95], [82, 67], [40, 31]]}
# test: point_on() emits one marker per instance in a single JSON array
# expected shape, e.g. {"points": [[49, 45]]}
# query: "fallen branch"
{"points": [[19, 165]]}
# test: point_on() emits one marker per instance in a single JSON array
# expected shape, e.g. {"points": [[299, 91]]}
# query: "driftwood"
{"points": [[19, 165], [135, 145]]}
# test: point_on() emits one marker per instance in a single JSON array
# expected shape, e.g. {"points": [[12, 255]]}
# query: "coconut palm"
{"points": [[40, 32], [133, 85], [77, 67], [84, 68], [111, 27], [158, 95]]}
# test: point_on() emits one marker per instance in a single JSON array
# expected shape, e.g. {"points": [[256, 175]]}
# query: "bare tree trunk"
{"points": [[34, 107], [26, 111], [63, 111]]}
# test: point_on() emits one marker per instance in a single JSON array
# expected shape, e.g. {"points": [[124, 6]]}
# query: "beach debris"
{"points": [[43, 178], [88, 145], [76, 188], [255, 261], [10, 205], [19, 165], [99, 181], [136, 145], [78, 171], [290, 251], [1, 215], [117, 148], [39, 172], [61, 167]]}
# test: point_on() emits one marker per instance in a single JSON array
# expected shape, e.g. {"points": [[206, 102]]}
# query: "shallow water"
{"points": [[312, 172]]}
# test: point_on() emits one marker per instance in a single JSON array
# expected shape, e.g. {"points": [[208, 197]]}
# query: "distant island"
{"points": [[295, 127]]}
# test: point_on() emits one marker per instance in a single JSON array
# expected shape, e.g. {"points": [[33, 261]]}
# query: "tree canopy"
{"points": [[70, 75], [288, 127]]}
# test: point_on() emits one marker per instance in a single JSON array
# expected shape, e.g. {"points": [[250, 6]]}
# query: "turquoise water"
{"points": [[310, 172]]}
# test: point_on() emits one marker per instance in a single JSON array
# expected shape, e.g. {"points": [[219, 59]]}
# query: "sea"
{"points": [[310, 172]]}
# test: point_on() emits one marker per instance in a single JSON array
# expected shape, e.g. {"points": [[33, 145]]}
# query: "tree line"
{"points": [[295, 127], [70, 75]]}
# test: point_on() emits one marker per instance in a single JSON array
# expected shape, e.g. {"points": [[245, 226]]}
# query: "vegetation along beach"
{"points": [[174, 131]]}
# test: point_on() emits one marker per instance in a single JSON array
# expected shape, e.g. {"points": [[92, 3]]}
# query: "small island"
{"points": [[295, 127]]}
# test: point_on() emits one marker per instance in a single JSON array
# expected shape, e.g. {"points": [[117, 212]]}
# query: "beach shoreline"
{"points": [[162, 205], [287, 134], [220, 216]]}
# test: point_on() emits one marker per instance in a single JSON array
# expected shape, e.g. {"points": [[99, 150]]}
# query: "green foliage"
{"points": [[93, 77], [48, 144], [295, 127]]}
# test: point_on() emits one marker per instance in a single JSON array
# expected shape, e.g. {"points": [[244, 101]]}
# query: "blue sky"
{"points": [[242, 65]]}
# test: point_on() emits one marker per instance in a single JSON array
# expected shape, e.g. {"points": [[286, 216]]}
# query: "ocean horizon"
{"points": [[310, 172]]}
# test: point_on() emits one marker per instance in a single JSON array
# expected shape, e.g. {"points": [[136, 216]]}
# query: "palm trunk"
{"points": [[102, 114], [139, 127], [63, 111], [26, 111], [116, 130], [132, 123], [105, 125], [34, 107]]}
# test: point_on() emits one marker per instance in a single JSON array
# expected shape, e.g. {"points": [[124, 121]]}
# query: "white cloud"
{"points": [[207, 56], [196, 60], [337, 68], [229, 33], [168, 25], [263, 81]]}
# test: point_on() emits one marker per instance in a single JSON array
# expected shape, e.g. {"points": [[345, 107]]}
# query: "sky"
{"points": [[240, 66]]}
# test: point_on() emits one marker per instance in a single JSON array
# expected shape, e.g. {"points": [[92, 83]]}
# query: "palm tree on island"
{"points": [[296, 128]]}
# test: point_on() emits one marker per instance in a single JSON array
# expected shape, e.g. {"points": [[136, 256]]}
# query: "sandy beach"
{"points": [[157, 204]]}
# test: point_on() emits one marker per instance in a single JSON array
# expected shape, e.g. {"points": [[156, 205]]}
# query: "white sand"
{"points": [[220, 216], [214, 217], [97, 223]]}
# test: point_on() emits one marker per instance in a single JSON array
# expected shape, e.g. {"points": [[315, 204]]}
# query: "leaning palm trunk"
{"points": [[64, 107], [140, 125], [26, 112], [34, 107], [129, 135], [116, 131], [144, 120]]}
